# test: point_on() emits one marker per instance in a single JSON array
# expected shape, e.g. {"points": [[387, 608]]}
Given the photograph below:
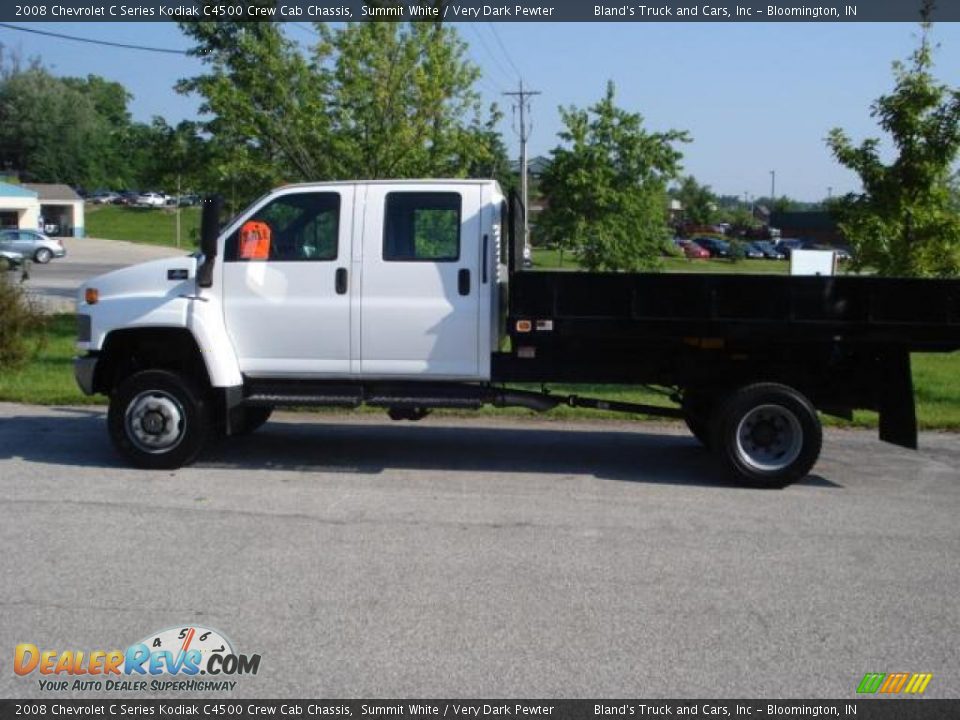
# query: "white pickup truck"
{"points": [[411, 295]]}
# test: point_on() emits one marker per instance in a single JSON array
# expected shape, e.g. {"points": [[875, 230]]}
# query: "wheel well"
{"points": [[129, 351]]}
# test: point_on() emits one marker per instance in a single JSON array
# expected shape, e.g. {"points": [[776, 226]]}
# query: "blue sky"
{"points": [[755, 97]]}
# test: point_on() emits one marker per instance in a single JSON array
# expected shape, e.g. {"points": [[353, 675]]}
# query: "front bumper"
{"points": [[83, 370]]}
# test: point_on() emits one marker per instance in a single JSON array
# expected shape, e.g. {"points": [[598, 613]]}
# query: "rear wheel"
{"points": [[158, 420], [767, 435], [42, 256]]}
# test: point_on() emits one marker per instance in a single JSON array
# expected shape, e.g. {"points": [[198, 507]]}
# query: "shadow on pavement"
{"points": [[78, 438]]}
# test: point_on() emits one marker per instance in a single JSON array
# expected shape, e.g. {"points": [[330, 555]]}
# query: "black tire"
{"points": [[158, 420], [253, 419], [697, 410], [42, 256], [767, 435]]}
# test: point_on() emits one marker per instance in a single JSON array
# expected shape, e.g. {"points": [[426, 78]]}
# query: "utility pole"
{"points": [[522, 100], [178, 210], [773, 188]]}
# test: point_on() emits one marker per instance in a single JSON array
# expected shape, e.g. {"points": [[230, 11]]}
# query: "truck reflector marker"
{"points": [[91, 296], [524, 326], [544, 325]]}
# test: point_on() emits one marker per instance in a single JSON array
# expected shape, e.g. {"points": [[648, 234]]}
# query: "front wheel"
{"points": [[767, 435], [158, 420]]}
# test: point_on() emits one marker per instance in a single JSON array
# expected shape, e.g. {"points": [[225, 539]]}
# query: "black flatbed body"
{"points": [[916, 314], [844, 341]]}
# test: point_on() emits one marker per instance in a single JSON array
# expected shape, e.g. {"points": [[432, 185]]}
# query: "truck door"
{"points": [[286, 285], [419, 308]]}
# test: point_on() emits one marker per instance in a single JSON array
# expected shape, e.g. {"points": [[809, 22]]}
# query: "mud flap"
{"points": [[233, 408], [898, 413]]}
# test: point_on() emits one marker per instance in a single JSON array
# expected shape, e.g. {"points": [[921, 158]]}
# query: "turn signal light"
{"points": [[524, 326], [91, 296]]}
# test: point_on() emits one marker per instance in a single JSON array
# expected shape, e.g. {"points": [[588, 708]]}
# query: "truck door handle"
{"points": [[340, 281], [463, 281]]}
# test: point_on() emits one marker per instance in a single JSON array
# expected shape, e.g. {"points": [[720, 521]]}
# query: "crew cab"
{"points": [[412, 295]]}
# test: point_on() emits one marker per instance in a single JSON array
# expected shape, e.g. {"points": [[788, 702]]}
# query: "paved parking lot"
{"points": [[55, 284], [486, 557]]}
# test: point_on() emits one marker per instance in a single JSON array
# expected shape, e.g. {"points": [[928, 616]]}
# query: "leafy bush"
{"points": [[20, 320], [671, 249], [738, 250]]}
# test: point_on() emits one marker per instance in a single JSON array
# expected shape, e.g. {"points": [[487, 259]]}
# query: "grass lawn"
{"points": [[154, 226], [48, 380]]}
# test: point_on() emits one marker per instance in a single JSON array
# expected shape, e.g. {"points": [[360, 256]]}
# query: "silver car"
{"points": [[10, 260], [32, 244]]}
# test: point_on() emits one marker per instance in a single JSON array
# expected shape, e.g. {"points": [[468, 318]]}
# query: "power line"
{"points": [[506, 53], [306, 29], [125, 46], [493, 55]]}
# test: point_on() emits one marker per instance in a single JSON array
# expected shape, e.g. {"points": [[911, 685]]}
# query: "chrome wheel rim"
{"points": [[155, 421], [769, 438]]}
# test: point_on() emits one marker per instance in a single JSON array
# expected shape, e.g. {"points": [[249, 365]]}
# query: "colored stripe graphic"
{"points": [[871, 683], [918, 683], [894, 683]]}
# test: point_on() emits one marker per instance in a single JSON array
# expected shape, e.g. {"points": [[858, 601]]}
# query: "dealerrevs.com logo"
{"points": [[172, 659]]}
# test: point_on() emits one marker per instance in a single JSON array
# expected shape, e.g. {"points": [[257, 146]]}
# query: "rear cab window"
{"points": [[422, 226]]}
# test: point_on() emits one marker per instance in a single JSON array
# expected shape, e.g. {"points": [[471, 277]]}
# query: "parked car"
{"points": [[716, 247], [752, 251], [692, 251], [788, 245], [103, 197], [32, 244], [151, 199], [126, 197], [10, 260], [768, 250]]}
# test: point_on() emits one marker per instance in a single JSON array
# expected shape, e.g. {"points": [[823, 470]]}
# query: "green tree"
{"points": [[374, 100], [51, 131], [606, 187], [698, 201], [902, 223]]}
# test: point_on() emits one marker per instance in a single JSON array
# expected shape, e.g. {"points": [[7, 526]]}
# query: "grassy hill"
{"points": [[154, 226]]}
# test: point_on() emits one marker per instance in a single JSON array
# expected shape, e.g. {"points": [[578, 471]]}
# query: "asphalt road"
{"points": [[486, 557], [55, 284]]}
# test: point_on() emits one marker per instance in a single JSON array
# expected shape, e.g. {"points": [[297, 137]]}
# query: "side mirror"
{"points": [[209, 231]]}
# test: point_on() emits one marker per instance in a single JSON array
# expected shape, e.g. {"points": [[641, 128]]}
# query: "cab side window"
{"points": [[422, 226], [300, 227]]}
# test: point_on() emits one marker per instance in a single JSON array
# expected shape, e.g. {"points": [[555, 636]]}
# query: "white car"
{"points": [[152, 199]]}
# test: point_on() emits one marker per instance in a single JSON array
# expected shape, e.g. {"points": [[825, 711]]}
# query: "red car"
{"points": [[692, 251]]}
